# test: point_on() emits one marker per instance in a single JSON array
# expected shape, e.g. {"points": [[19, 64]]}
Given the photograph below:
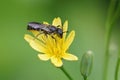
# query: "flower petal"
{"points": [[35, 44], [44, 57], [65, 27], [68, 56], [28, 38], [57, 22], [69, 40], [45, 23], [56, 61]]}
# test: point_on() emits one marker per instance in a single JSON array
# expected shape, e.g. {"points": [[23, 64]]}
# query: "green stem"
{"points": [[107, 54], [117, 69], [85, 77], [108, 26], [65, 72], [117, 65], [117, 13], [116, 17]]}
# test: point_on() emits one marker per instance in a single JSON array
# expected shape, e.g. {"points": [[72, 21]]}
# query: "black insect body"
{"points": [[46, 29]]}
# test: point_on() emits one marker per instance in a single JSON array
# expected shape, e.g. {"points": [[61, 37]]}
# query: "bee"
{"points": [[45, 29]]}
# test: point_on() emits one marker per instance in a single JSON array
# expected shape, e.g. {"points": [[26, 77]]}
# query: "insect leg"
{"points": [[58, 26], [40, 32]]}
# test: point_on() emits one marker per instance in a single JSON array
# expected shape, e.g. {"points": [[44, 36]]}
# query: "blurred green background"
{"points": [[18, 61]]}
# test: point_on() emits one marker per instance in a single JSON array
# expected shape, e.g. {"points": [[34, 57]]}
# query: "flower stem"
{"points": [[108, 26], [117, 13], [117, 68], [85, 77], [108, 35], [117, 65], [65, 72]]}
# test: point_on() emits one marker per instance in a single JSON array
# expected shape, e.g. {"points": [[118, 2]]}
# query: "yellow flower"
{"points": [[51, 48]]}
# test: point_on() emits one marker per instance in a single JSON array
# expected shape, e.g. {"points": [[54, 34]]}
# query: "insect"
{"points": [[45, 29]]}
